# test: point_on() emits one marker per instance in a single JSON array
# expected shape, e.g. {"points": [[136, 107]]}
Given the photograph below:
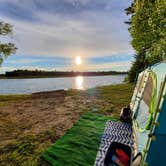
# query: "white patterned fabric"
{"points": [[114, 132]]}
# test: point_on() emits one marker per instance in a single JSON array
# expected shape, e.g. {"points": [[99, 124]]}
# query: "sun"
{"points": [[78, 60]]}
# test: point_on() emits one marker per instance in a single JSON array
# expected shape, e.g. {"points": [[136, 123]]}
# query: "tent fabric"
{"points": [[142, 117], [139, 91], [134, 97], [153, 147], [157, 153], [119, 132], [142, 138], [143, 108], [160, 71], [147, 95]]}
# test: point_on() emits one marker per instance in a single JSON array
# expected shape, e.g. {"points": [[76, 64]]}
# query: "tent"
{"points": [[149, 114], [148, 128]]}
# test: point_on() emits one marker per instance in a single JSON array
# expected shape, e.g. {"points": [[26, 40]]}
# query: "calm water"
{"points": [[25, 86]]}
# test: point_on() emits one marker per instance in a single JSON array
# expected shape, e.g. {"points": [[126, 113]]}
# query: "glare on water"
{"points": [[79, 82], [26, 86]]}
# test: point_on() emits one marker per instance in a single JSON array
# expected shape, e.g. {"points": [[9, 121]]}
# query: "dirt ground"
{"points": [[42, 111]]}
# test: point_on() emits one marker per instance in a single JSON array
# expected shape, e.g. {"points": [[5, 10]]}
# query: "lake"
{"points": [[26, 86]]}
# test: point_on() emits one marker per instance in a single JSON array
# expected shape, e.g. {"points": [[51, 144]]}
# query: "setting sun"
{"points": [[78, 60]]}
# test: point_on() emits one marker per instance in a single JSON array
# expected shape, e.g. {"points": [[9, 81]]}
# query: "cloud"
{"points": [[33, 61], [67, 27], [24, 61], [111, 66], [63, 7], [110, 59]]}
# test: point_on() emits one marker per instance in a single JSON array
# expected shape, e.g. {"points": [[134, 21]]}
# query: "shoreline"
{"points": [[35, 77]]}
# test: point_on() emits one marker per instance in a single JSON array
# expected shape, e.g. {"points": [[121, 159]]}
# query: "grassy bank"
{"points": [[111, 98], [24, 142], [6, 99]]}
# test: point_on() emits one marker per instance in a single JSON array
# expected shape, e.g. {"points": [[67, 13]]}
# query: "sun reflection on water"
{"points": [[79, 82]]}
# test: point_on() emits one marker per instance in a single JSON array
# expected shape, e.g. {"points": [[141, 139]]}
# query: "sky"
{"points": [[50, 34]]}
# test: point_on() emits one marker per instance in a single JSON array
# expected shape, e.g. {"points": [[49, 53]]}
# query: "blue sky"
{"points": [[50, 34]]}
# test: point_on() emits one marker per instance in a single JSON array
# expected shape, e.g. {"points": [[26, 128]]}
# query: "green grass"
{"points": [[5, 99], [26, 150], [13, 97], [116, 96], [80, 144], [120, 93]]}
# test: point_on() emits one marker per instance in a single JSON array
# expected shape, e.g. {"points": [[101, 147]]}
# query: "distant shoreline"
{"points": [[25, 74], [33, 77]]}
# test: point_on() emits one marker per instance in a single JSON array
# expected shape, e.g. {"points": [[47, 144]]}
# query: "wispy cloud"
{"points": [[66, 28], [113, 66], [24, 61]]}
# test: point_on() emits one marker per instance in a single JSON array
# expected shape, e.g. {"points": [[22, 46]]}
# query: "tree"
{"points": [[6, 49], [147, 28], [138, 65]]}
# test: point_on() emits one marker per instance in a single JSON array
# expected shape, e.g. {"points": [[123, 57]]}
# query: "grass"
{"points": [[117, 95], [111, 98], [5, 99], [80, 144], [26, 150]]}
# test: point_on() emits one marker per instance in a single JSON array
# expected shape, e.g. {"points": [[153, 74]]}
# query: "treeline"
{"points": [[147, 26], [39, 73]]}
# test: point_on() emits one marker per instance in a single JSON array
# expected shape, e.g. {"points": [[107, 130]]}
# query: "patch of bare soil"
{"points": [[54, 110]]}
